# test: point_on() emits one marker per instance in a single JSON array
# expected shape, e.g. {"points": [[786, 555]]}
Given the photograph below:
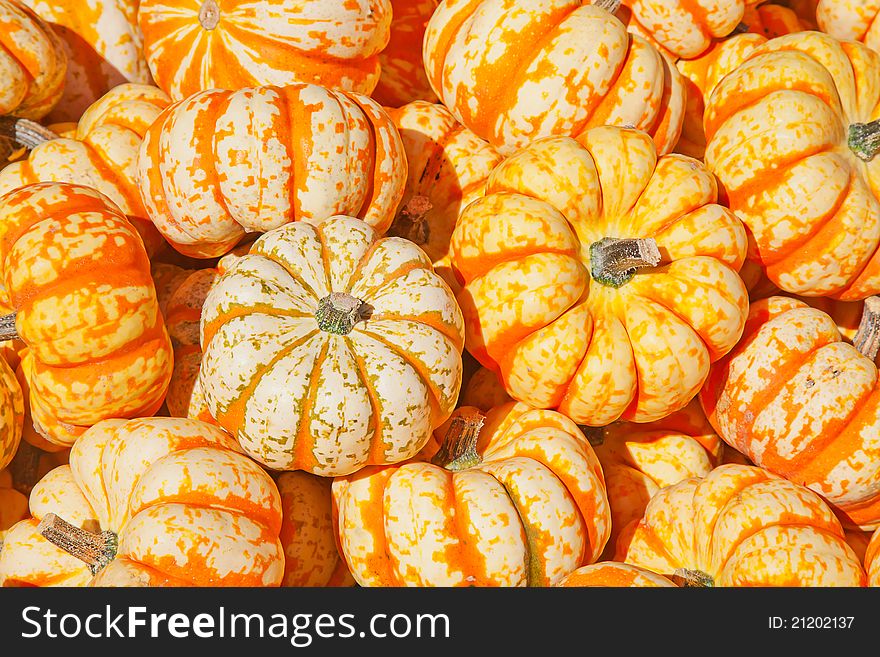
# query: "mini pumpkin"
{"points": [[742, 526], [223, 163], [11, 413], [104, 49], [102, 154], [78, 280], [308, 535], [616, 574], [28, 466], [447, 168], [585, 71], [799, 114], [872, 559], [194, 45], [552, 297], [799, 401], [512, 498], [851, 20], [403, 78], [149, 502], [328, 348]]}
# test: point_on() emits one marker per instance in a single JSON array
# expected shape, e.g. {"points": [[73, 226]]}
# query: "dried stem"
{"points": [[338, 313], [692, 579], [94, 549], [614, 262], [7, 328], [867, 338], [864, 139], [459, 448]]}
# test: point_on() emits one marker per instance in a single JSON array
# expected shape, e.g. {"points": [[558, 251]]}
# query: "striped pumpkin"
{"points": [[483, 63], [512, 498], [104, 49], [150, 502], [32, 63], [616, 574], [799, 401], [79, 282], [851, 20], [572, 326], [403, 78], [221, 164], [872, 559], [194, 45], [742, 526], [328, 348], [11, 413], [102, 154], [447, 168]]}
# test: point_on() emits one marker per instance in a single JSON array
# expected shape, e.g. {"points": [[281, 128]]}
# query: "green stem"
{"points": [[338, 312], [864, 139], [459, 448], [692, 579], [613, 261], [95, 549]]}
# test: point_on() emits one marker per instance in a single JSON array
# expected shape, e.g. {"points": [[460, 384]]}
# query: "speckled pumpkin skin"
{"points": [[299, 397], [267, 42], [872, 559], [534, 510], [558, 338], [483, 63], [11, 413], [189, 510], [267, 156], [798, 400], [743, 526], [851, 20], [32, 63], [78, 278], [616, 574]]}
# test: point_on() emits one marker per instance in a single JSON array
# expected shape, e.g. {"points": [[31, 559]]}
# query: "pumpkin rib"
{"points": [[460, 521], [375, 423], [301, 442], [209, 155], [372, 147]]}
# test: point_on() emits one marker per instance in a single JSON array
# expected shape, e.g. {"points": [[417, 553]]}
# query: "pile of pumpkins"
{"points": [[440, 293]]}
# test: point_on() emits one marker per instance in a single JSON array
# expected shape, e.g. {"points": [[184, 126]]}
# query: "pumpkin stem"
{"points": [[410, 222], [614, 261], [25, 132], [7, 328], [611, 6], [209, 14], [459, 448], [338, 312], [95, 549], [741, 28], [24, 467], [867, 338], [692, 578], [864, 139]]}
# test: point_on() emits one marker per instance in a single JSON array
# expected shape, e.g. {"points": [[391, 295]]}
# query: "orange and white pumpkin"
{"points": [[32, 63], [872, 559], [308, 532], [403, 78], [742, 526], [221, 164], [102, 154], [104, 49], [552, 297], [194, 45], [514, 72], [79, 283], [616, 574], [512, 498], [328, 348], [150, 502], [11, 413], [447, 168], [799, 114], [851, 20], [799, 401]]}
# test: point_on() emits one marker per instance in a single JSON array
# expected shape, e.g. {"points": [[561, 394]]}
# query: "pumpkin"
{"points": [[78, 279], [552, 297], [514, 72], [328, 348], [28, 466], [483, 390], [308, 536], [403, 78], [640, 459], [104, 49], [222, 163], [102, 154], [799, 401], [851, 20], [11, 413], [194, 45], [447, 168], [149, 502], [742, 526], [13, 505], [166, 279], [774, 20], [872, 559], [512, 498], [32, 63], [616, 574], [797, 115], [683, 28]]}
